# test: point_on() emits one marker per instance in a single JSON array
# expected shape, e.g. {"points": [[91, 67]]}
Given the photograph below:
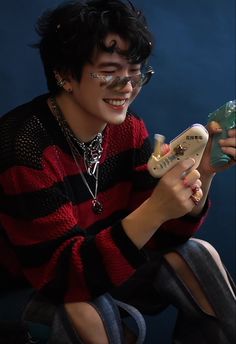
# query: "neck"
{"points": [[79, 122]]}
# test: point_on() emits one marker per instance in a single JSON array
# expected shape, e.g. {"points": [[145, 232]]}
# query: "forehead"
{"points": [[100, 56], [121, 43]]}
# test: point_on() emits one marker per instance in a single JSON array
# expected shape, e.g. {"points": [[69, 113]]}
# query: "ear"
{"points": [[63, 81]]}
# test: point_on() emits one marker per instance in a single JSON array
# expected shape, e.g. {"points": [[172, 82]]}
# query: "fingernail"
{"points": [[165, 148], [215, 126], [195, 189], [185, 181]]}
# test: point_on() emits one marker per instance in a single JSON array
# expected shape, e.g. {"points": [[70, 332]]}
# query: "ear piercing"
{"points": [[61, 82], [68, 90]]}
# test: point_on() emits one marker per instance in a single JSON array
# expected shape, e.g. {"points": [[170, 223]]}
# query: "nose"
{"points": [[126, 87]]}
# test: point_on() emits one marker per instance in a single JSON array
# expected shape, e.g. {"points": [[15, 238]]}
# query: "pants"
{"points": [[156, 285], [151, 289]]}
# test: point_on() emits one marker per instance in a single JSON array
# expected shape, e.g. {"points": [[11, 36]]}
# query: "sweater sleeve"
{"points": [[174, 231], [177, 231]]}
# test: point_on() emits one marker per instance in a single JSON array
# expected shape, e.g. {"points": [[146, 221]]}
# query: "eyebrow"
{"points": [[109, 64], [113, 64]]}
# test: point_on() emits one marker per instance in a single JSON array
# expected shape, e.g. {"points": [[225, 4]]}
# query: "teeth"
{"points": [[115, 102]]}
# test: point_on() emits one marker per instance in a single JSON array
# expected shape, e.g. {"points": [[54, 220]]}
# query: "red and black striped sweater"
{"points": [[49, 233]]}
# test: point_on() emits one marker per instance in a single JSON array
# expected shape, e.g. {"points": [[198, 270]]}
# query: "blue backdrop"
{"points": [[194, 60]]}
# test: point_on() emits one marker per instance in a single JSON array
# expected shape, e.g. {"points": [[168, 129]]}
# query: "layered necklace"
{"points": [[92, 153]]}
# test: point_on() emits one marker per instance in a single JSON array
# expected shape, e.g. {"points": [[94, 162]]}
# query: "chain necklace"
{"points": [[91, 153]]}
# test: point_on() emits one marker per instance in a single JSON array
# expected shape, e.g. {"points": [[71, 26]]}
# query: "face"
{"points": [[97, 103]]}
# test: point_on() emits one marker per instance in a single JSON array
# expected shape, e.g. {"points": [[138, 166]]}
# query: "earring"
{"points": [[68, 90], [61, 82]]}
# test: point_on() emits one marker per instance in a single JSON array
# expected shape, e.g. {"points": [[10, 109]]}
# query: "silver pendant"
{"points": [[97, 207]]}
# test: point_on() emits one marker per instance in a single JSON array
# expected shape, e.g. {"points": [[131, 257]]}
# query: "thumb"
{"points": [[214, 128]]}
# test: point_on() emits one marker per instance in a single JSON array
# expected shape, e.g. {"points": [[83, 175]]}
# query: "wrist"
{"points": [[142, 223]]}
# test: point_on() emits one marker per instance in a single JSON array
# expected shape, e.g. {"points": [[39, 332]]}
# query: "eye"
{"points": [[108, 72], [135, 71]]}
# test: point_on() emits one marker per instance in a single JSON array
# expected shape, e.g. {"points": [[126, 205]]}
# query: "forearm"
{"points": [[142, 223]]}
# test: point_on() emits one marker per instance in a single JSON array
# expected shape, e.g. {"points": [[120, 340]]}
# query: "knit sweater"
{"points": [[49, 233]]}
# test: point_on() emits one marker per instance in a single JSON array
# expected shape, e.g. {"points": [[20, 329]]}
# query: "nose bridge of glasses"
{"points": [[127, 79], [119, 83]]}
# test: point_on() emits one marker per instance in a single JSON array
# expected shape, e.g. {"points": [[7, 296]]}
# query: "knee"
{"points": [[211, 250], [178, 262]]}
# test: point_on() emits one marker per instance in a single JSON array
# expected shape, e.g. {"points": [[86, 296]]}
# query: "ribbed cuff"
{"points": [[135, 256]]}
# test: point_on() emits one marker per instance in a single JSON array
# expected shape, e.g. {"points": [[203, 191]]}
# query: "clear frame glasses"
{"points": [[118, 82]]}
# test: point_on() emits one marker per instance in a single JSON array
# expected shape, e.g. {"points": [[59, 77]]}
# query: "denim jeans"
{"points": [[150, 290]]}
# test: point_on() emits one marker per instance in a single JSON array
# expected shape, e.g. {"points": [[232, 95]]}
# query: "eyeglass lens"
{"points": [[135, 80], [117, 83]]}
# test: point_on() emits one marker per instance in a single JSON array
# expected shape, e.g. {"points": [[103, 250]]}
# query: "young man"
{"points": [[80, 215]]}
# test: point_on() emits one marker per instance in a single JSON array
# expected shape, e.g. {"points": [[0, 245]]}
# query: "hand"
{"points": [[228, 146], [173, 194], [177, 193]]}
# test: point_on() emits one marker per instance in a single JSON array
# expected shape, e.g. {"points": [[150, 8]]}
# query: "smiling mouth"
{"points": [[115, 102]]}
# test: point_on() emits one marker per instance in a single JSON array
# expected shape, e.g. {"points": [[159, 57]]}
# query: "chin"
{"points": [[116, 120]]}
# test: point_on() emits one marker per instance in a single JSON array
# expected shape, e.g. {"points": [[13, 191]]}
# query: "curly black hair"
{"points": [[70, 33]]}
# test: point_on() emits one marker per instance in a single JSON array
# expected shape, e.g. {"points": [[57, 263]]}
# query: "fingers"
{"points": [[196, 197], [184, 174], [185, 183], [230, 151], [181, 169], [229, 142], [214, 127], [192, 179], [228, 145], [165, 148], [232, 133], [193, 182]]}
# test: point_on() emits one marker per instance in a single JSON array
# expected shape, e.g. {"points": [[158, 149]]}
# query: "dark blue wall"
{"points": [[194, 60]]}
